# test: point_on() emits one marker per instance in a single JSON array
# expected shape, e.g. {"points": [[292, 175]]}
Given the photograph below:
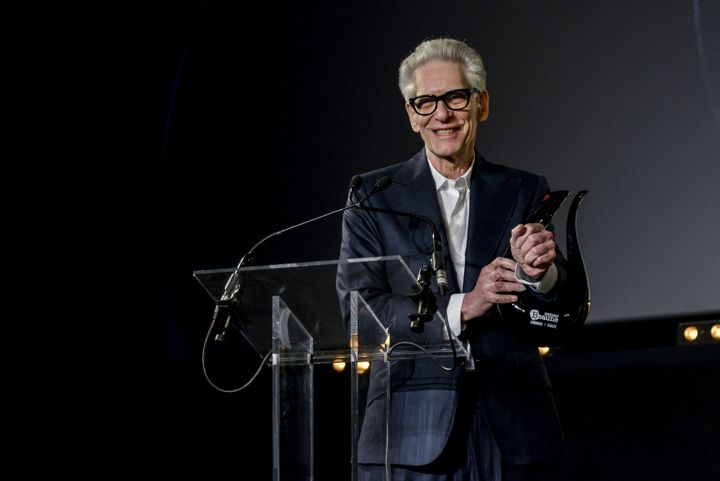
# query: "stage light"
{"points": [[544, 350], [699, 332], [690, 333], [339, 366], [715, 332]]}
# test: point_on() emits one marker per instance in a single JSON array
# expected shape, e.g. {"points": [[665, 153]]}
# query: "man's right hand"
{"points": [[495, 285]]}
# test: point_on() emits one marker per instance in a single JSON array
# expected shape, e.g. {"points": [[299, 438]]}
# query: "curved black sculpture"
{"points": [[554, 322]]}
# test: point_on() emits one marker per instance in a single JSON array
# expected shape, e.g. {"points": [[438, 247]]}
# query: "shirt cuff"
{"points": [[453, 313], [543, 285]]}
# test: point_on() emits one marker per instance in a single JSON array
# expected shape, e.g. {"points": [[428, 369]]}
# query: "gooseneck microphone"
{"points": [[355, 184], [426, 302], [223, 315], [437, 260]]}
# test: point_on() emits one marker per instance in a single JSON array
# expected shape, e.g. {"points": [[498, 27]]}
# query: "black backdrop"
{"points": [[268, 109]]}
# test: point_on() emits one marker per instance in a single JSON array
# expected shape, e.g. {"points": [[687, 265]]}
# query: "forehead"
{"points": [[437, 77]]}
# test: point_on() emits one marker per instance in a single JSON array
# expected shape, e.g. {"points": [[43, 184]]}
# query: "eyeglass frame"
{"points": [[438, 98]]}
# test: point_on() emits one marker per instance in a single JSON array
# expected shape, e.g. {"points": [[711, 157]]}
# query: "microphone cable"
{"points": [[441, 277], [215, 386]]}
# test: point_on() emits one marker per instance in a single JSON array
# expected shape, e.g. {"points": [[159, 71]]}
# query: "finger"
{"points": [[507, 286], [541, 253], [516, 232], [503, 263], [538, 250], [540, 243], [530, 229], [502, 284], [524, 243], [508, 276], [504, 299], [499, 273], [540, 237], [544, 262]]}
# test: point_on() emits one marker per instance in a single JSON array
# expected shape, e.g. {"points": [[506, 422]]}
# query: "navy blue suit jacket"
{"points": [[514, 386]]}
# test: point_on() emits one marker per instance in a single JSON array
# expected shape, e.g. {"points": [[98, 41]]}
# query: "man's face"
{"points": [[448, 134]]}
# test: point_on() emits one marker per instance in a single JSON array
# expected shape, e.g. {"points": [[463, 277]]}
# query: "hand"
{"points": [[495, 285], [533, 247]]}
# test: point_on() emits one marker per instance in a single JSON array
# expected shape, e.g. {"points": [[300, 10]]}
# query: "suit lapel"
{"points": [[492, 201], [493, 198], [414, 192]]}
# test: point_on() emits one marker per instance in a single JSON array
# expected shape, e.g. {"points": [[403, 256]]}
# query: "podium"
{"points": [[293, 312]]}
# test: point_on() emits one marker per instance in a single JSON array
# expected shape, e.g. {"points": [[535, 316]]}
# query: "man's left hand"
{"points": [[533, 247]]}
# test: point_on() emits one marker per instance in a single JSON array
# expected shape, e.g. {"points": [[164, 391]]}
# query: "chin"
{"points": [[447, 153], [449, 147]]}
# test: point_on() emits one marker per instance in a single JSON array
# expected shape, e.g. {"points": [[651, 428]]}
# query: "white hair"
{"points": [[442, 49]]}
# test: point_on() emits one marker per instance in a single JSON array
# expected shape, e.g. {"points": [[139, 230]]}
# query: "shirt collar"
{"points": [[442, 182]]}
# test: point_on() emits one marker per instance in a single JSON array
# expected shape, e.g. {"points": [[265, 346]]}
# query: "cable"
{"points": [[388, 473], [228, 391], [452, 337]]}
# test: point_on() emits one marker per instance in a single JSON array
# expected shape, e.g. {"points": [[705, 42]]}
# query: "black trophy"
{"points": [[554, 320]]}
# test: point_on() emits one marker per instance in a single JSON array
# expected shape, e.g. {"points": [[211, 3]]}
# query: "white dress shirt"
{"points": [[454, 199]]}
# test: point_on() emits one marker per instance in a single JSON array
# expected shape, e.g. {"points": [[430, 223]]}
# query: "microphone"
{"points": [[437, 260], [426, 304], [223, 315], [381, 184], [355, 184]]}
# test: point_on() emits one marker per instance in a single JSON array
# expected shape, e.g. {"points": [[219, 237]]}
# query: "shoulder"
{"points": [[387, 171], [504, 172], [401, 172], [525, 183]]}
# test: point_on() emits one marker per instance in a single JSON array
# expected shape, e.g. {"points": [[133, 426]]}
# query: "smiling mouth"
{"points": [[445, 131]]}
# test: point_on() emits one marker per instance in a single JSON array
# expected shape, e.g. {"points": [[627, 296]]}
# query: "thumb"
{"points": [[517, 231]]}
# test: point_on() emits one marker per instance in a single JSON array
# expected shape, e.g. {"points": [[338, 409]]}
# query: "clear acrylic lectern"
{"points": [[294, 312]]}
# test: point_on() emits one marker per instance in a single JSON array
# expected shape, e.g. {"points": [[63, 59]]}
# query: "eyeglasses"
{"points": [[453, 99]]}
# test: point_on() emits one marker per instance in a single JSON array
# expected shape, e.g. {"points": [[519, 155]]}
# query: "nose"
{"points": [[441, 111]]}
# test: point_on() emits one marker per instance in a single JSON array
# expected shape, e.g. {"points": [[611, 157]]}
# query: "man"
{"points": [[495, 418]]}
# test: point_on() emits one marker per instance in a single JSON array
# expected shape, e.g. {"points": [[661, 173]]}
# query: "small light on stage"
{"points": [[715, 332], [544, 350], [339, 366], [698, 332], [690, 333]]}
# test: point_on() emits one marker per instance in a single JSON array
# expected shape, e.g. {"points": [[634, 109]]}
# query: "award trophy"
{"points": [[552, 320]]}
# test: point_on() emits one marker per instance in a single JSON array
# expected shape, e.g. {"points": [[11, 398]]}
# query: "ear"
{"points": [[412, 116], [483, 106]]}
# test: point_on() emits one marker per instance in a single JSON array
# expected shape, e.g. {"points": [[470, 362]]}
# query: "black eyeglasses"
{"points": [[453, 99]]}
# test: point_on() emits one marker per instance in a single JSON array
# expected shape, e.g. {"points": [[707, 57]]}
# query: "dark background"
{"points": [[268, 108]]}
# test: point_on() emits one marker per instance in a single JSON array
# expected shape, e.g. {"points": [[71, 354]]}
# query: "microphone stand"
{"points": [[234, 284], [222, 316], [426, 299]]}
